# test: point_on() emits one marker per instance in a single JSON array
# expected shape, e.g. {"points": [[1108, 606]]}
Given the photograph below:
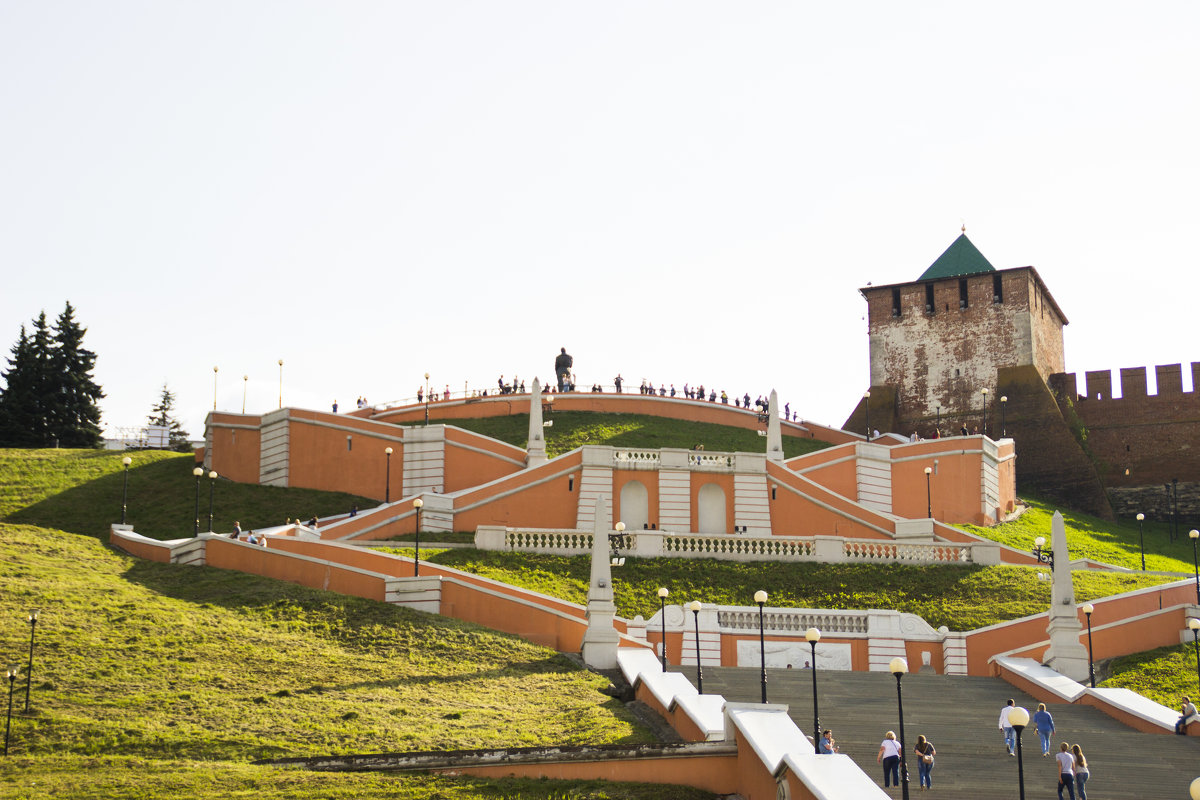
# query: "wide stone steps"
{"points": [[960, 715]]}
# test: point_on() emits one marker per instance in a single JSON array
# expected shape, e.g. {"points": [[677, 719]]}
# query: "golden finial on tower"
{"points": [[964, 227]]}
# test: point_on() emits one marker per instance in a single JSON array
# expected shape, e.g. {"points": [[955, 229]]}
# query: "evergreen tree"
{"points": [[49, 397], [160, 415], [75, 413], [17, 406]]}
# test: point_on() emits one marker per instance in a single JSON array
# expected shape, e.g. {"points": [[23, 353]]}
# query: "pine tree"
{"points": [[17, 407], [74, 412], [160, 415]]}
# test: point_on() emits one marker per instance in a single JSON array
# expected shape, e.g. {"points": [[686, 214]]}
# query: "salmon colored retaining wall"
{"points": [[719, 774]]}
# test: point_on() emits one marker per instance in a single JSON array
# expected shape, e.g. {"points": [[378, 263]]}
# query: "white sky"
{"points": [[683, 191]]}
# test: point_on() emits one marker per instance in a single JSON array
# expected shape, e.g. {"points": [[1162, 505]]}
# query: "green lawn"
{"points": [[1163, 675], [959, 597], [1113, 543], [572, 429], [159, 679], [80, 491]]}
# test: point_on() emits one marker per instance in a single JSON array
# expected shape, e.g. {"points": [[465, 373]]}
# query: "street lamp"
{"points": [[694, 607], [1194, 626], [11, 672], [198, 471], [867, 408], [1088, 608], [417, 504], [212, 488], [1194, 789], [33, 618], [281, 383], [928, 492], [1142, 539], [1019, 718], [245, 384], [984, 392], [615, 543], [760, 597], [898, 667], [125, 462], [214, 388], [662, 616], [1194, 535], [426, 398], [1042, 556], [813, 636], [1003, 415], [387, 482]]}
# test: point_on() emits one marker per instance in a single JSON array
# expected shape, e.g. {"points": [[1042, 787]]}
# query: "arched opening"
{"points": [[710, 509], [635, 511]]}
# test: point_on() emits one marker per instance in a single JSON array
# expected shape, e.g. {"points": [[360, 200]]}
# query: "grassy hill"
{"points": [[80, 491], [154, 680], [572, 429], [1110, 542], [960, 597]]}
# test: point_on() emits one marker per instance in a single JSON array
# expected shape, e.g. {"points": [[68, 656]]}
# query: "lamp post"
{"points": [[1194, 789], [1142, 539], [426, 398], [1003, 415], [867, 409], [1088, 608], [616, 542], [928, 492], [898, 667], [417, 504], [125, 462], [1174, 508], [694, 607], [281, 383], [760, 597], [663, 592], [212, 488], [387, 480], [198, 471], [245, 384], [214, 388], [1019, 718], [1042, 556], [1194, 535], [813, 636], [1194, 626], [33, 618], [984, 392], [11, 673]]}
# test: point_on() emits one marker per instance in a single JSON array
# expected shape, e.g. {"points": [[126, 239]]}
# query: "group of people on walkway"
{"points": [[889, 756], [1070, 762]]}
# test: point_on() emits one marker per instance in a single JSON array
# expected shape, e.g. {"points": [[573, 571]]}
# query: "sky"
{"points": [[688, 192]]}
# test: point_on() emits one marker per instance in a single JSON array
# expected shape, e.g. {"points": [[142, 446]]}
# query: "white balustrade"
{"points": [[626, 459], [567, 541]]}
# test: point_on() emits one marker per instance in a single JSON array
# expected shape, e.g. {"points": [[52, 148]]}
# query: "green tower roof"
{"points": [[960, 258]]}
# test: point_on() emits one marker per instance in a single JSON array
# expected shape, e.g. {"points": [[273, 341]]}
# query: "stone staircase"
{"points": [[959, 715]]}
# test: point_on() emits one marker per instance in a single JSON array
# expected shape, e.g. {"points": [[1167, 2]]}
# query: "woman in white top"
{"points": [[1066, 770], [889, 756]]}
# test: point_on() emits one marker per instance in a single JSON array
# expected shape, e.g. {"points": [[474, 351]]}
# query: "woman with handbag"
{"points": [[925, 753]]}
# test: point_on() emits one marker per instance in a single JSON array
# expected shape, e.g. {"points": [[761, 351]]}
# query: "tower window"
{"points": [[895, 302], [349, 442], [997, 289], [929, 298], [962, 293]]}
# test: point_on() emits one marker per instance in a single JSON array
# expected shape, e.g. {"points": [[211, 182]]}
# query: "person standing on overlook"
{"points": [[562, 368]]}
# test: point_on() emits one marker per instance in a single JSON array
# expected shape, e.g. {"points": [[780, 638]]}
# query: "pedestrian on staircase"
{"points": [[925, 753], [1066, 770], [1010, 735], [889, 756], [1082, 773], [1045, 727]]}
